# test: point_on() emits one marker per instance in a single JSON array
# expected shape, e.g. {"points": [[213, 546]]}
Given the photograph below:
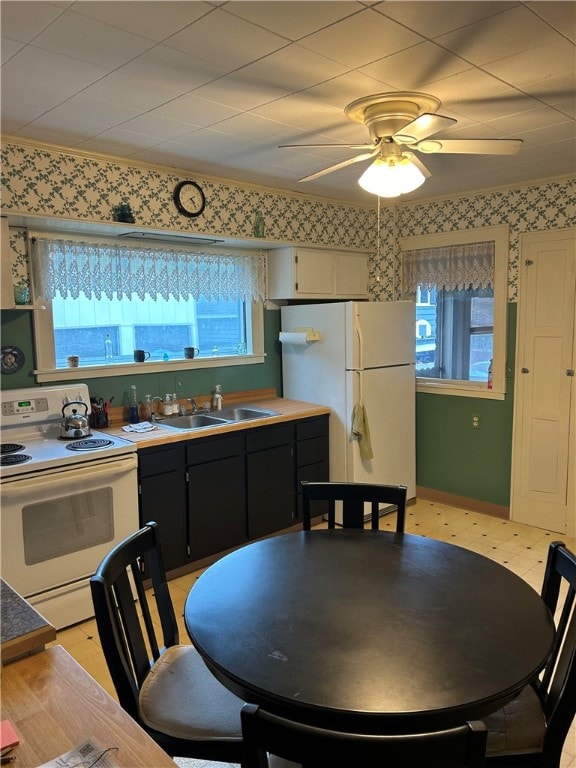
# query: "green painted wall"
{"points": [[17, 330], [451, 455]]}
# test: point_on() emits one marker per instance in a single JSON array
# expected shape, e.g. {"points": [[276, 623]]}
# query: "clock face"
{"points": [[189, 198]]}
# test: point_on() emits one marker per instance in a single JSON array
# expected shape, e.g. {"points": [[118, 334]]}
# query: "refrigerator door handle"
{"points": [[358, 329]]}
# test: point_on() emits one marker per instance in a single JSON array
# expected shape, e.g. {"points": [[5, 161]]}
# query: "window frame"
{"points": [[46, 371], [459, 387]]}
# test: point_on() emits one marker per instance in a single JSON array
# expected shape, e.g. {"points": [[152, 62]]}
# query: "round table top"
{"points": [[369, 631]]}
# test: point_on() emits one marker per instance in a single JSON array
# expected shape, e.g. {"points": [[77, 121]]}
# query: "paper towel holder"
{"points": [[309, 335]]}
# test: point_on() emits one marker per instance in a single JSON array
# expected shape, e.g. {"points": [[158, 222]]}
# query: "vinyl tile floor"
{"points": [[521, 548]]}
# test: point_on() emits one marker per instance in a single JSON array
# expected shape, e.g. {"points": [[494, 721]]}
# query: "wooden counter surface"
{"points": [[287, 410], [53, 705], [22, 629]]}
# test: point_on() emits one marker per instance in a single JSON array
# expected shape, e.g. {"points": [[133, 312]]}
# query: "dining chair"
{"points": [[312, 747], [532, 729], [353, 497], [163, 684]]}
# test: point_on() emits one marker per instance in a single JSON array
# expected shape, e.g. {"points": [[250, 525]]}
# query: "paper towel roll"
{"points": [[295, 338]]}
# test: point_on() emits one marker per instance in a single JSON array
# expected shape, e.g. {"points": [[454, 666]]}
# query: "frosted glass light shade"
{"points": [[391, 177]]}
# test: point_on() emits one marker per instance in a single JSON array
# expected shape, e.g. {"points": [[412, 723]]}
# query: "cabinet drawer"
{"points": [[268, 437], [314, 473], [159, 460], [311, 451], [200, 451], [311, 428]]}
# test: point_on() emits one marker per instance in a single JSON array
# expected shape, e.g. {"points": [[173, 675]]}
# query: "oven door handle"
{"points": [[44, 480]]}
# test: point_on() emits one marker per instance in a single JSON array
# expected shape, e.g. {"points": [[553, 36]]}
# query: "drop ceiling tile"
{"points": [[169, 67], [294, 68], [340, 91], [89, 40], [365, 37], [288, 20], [44, 79], [130, 140], [104, 114], [8, 48], [225, 40], [155, 21], [240, 91], [499, 36], [190, 109], [561, 15], [525, 67], [158, 127], [531, 120], [209, 141], [21, 22], [251, 127], [299, 110], [414, 68], [134, 91], [432, 19]]}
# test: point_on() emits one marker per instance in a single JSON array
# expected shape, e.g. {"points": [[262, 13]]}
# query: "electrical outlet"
{"points": [[475, 421]]}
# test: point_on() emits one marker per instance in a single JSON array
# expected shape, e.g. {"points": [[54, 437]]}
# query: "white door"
{"points": [[543, 476]]}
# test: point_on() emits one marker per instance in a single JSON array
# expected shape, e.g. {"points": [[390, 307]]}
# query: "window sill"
{"points": [[460, 389], [126, 369]]}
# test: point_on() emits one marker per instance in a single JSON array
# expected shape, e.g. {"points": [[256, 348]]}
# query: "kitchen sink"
{"points": [[194, 421], [245, 413], [230, 415]]}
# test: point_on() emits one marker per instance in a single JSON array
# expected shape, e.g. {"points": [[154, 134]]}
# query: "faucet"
{"points": [[193, 404], [155, 416]]}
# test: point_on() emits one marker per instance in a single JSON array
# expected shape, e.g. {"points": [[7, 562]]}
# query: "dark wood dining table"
{"points": [[368, 631]]}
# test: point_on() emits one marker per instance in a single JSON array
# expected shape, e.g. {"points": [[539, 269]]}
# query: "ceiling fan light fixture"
{"points": [[391, 177]]}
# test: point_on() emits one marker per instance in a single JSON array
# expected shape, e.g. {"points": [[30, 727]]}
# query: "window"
{"points": [[105, 300], [458, 282]]}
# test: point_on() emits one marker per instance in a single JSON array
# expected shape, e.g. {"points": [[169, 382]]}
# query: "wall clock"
{"points": [[189, 198], [11, 359]]}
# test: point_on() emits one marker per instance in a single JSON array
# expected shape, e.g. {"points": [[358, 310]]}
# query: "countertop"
{"points": [[54, 705], [287, 410], [23, 630]]}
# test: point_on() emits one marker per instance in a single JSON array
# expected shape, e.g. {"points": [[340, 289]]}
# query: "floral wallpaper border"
{"points": [[57, 183]]}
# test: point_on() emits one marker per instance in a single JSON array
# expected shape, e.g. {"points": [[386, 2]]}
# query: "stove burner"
{"points": [[10, 447], [89, 445], [14, 458]]}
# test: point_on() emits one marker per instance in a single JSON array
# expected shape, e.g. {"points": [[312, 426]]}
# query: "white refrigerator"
{"points": [[364, 355]]}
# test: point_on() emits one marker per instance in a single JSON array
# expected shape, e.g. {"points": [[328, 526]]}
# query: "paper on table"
{"points": [[88, 754]]}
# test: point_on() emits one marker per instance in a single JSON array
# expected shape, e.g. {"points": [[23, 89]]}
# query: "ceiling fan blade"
{"points": [[418, 163], [423, 126], [471, 146], [335, 146], [343, 164]]}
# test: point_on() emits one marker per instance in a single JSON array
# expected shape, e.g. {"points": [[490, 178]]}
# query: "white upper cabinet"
{"points": [[317, 273]]}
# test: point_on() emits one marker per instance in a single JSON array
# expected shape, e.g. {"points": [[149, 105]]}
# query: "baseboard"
{"points": [[463, 502]]}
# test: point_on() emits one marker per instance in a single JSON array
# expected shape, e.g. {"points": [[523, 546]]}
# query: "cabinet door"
{"points": [[270, 490], [163, 501], [350, 275], [314, 272], [216, 506]]}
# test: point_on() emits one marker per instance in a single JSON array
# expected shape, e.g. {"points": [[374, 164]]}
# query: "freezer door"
{"points": [[380, 334], [389, 399]]}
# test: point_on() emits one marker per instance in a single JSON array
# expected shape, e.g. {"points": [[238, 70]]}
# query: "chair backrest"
{"points": [[557, 688], [460, 747], [126, 629], [353, 497]]}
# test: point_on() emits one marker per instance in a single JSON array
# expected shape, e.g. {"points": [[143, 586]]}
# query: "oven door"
{"points": [[57, 525]]}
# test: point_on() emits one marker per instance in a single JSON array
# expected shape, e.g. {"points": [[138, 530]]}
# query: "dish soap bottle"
{"points": [[148, 407], [217, 398]]}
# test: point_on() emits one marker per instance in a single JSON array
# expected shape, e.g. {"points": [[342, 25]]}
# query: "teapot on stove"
{"points": [[75, 425]]}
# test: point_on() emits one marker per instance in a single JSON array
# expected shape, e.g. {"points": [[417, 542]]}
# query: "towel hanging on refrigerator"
{"points": [[361, 430]]}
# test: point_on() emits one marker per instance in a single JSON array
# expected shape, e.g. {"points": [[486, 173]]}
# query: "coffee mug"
{"points": [[73, 361], [189, 352], [140, 355]]}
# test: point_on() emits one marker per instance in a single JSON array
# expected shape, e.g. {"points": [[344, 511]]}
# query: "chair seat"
{"points": [[181, 698], [518, 728]]}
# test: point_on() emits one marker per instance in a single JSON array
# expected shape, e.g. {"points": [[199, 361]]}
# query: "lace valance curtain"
{"points": [[71, 267], [454, 267]]}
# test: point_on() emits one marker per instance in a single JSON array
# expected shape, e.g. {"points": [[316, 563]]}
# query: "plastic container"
{"points": [[134, 416], [108, 349], [217, 398], [148, 409]]}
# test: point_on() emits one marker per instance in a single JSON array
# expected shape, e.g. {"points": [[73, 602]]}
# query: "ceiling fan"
{"points": [[399, 124]]}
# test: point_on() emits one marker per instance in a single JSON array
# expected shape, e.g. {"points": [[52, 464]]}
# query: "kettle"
{"points": [[75, 425]]}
